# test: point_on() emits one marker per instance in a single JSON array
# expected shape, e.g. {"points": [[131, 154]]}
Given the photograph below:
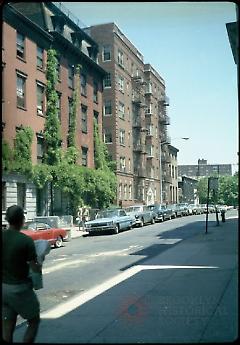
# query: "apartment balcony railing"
{"points": [[70, 15], [139, 147], [138, 99], [164, 119]]}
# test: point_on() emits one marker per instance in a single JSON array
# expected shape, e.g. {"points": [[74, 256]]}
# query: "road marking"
{"points": [[60, 266], [169, 240], [79, 300]]}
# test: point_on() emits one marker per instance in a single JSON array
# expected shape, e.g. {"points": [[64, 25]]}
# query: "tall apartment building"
{"points": [[203, 169], [29, 30], [134, 116]]}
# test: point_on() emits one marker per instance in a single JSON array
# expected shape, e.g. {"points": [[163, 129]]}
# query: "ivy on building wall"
{"points": [[52, 133], [73, 111]]}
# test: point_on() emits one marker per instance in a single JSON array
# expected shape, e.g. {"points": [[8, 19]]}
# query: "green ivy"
{"points": [[41, 174], [52, 133], [7, 157]]}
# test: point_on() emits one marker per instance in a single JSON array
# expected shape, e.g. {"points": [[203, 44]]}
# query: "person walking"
{"points": [[18, 297]]}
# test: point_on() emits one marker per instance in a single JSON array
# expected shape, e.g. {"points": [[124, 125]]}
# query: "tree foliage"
{"points": [[227, 193]]}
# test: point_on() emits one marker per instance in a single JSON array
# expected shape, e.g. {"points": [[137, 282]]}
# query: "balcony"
{"points": [[138, 99], [138, 147], [167, 179], [165, 120]]}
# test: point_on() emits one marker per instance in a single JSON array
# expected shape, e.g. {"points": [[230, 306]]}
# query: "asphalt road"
{"points": [[88, 261]]}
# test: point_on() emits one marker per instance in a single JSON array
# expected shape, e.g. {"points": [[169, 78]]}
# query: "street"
{"points": [[86, 262]]}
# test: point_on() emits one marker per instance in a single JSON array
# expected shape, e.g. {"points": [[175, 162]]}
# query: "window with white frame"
{"points": [[107, 81], [120, 190], [106, 56], [122, 164], [121, 83], [129, 165], [121, 110], [40, 145], [83, 78], [149, 108], [21, 88], [122, 137], [40, 98], [130, 192], [107, 110], [125, 192], [58, 105], [108, 137], [120, 58], [40, 57], [20, 45], [150, 150]]}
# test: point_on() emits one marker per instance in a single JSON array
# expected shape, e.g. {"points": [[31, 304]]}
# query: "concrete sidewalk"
{"points": [[187, 294]]}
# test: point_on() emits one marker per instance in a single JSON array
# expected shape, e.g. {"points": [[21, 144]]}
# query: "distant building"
{"points": [[203, 169], [188, 190]]}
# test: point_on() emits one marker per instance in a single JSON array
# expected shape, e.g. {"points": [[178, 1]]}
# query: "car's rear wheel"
{"points": [[116, 229], [59, 242]]}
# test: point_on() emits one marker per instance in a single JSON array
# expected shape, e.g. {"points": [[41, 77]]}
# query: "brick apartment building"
{"points": [[29, 30], [134, 117]]}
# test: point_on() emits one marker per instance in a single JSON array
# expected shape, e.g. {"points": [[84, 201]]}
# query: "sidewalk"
{"points": [[75, 232], [188, 294]]}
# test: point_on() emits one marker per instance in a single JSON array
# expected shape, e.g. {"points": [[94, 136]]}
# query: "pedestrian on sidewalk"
{"points": [[18, 297], [79, 217]]}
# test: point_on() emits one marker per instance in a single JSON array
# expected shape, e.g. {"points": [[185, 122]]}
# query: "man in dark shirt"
{"points": [[18, 254]]}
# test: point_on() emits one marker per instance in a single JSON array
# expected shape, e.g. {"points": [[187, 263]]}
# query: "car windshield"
{"points": [[133, 209], [29, 226], [107, 214]]}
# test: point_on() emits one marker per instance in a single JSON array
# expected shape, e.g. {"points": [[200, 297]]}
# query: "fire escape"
{"points": [[139, 136], [164, 121]]}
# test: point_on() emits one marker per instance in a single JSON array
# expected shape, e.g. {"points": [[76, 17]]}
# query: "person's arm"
{"points": [[35, 266]]}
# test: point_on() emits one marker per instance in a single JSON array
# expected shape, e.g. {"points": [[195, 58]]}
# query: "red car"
{"points": [[43, 231]]}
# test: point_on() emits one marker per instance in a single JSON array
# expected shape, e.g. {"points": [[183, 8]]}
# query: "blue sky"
{"points": [[187, 43]]}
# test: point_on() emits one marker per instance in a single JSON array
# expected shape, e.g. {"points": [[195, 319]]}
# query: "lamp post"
{"points": [[161, 173]]}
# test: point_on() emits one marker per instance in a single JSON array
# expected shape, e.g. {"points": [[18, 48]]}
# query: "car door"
{"points": [[124, 219], [44, 231]]}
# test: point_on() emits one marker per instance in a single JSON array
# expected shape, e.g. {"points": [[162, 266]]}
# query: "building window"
{"points": [[120, 58], [122, 137], [40, 99], [40, 143], [21, 86], [108, 138], [121, 110], [58, 105], [106, 53], [107, 80], [4, 196], [39, 57], [95, 91], [121, 83], [130, 192], [125, 192], [122, 164], [58, 67], [107, 110], [120, 190], [129, 165], [20, 45], [84, 119], [21, 195], [71, 76], [96, 115], [83, 78], [84, 156], [70, 104]]}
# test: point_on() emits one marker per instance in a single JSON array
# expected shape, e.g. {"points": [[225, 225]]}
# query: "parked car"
{"points": [[161, 211], [114, 220], [194, 209], [43, 231], [204, 208], [178, 210], [142, 214], [184, 207], [211, 208], [221, 208]]}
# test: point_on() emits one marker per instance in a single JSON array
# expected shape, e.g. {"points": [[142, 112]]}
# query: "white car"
{"points": [[142, 214]]}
